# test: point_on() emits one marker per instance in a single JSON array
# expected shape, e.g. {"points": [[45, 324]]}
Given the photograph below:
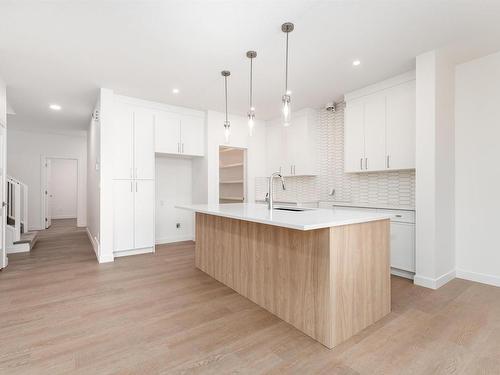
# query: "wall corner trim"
{"points": [[436, 283]]}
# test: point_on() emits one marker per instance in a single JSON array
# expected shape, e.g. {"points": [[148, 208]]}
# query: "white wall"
{"points": [[173, 186], [3, 103], [63, 184], [477, 156], [255, 145], [435, 252], [93, 181], [25, 151]]}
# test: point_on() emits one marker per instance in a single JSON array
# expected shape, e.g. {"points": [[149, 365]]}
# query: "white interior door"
{"points": [[48, 193], [144, 213], [3, 199]]}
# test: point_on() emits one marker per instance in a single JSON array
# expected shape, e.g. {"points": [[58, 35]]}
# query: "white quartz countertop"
{"points": [[315, 218]]}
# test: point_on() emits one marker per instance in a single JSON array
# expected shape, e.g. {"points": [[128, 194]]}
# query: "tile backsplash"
{"points": [[394, 188]]}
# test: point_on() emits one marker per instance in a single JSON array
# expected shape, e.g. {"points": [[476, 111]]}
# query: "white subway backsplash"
{"points": [[394, 188]]}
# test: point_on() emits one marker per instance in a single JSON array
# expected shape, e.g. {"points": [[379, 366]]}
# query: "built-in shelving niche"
{"points": [[232, 175]]}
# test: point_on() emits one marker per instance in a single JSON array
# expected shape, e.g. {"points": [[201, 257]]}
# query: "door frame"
{"points": [[43, 185], [4, 261]]}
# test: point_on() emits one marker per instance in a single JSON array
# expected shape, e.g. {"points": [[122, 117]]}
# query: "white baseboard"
{"points": [[402, 273], [19, 248], [436, 283], [94, 242], [106, 258], [31, 229], [125, 253], [161, 241], [57, 217], [479, 277]]}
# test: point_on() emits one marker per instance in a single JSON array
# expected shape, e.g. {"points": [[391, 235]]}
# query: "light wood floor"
{"points": [[62, 313]]}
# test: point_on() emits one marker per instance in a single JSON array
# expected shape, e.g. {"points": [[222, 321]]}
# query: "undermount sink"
{"points": [[295, 209]]}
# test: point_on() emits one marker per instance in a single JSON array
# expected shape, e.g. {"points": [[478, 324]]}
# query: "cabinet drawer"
{"points": [[399, 215]]}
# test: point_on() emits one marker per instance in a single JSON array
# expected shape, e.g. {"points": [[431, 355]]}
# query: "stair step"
{"points": [[28, 237]]}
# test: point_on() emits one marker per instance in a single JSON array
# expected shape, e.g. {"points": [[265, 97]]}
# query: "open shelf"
{"points": [[231, 165], [232, 198], [231, 182]]}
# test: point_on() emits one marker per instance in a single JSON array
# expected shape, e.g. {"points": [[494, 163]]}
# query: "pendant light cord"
{"points": [[251, 80], [286, 66], [225, 89]]}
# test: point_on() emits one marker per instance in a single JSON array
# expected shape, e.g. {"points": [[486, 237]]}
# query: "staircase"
{"points": [[18, 239]]}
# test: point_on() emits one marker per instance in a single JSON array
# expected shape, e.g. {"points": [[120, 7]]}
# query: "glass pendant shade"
{"points": [[251, 120], [227, 130], [286, 110]]}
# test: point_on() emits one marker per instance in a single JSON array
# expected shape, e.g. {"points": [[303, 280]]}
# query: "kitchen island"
{"points": [[326, 272]]}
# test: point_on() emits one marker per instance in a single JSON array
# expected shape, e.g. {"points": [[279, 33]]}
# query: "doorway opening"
{"points": [[59, 190], [232, 175]]}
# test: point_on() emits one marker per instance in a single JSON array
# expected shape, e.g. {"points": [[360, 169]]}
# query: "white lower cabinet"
{"points": [[133, 205], [403, 246]]}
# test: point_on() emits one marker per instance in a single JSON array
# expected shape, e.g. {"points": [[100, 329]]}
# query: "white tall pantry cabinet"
{"points": [[133, 179]]}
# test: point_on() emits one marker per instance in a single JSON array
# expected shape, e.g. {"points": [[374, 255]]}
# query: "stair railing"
{"points": [[17, 206]]}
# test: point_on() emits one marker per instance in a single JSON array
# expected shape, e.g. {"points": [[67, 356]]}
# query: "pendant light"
{"points": [[227, 124], [251, 112], [286, 108]]}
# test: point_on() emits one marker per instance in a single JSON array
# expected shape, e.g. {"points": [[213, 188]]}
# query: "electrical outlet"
{"points": [[178, 225]]}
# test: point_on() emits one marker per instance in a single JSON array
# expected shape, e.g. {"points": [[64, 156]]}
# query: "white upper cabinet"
{"points": [[192, 135], [379, 130], [354, 136], [167, 133], [400, 126], [144, 144], [133, 146], [292, 150], [374, 115], [123, 148], [179, 134]]}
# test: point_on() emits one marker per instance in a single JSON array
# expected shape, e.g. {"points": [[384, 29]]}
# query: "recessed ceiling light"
{"points": [[356, 63], [175, 91], [55, 107]]}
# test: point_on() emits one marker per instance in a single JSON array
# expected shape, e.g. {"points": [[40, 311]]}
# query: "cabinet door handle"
{"points": [[131, 188], [136, 186], [294, 169], [183, 147], [291, 169], [361, 163], [387, 161], [366, 163]]}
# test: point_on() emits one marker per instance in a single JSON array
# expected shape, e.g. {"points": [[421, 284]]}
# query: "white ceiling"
{"points": [[62, 52]]}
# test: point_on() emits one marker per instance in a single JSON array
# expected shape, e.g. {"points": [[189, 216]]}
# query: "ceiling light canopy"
{"points": [[175, 91], [356, 63], [55, 107]]}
